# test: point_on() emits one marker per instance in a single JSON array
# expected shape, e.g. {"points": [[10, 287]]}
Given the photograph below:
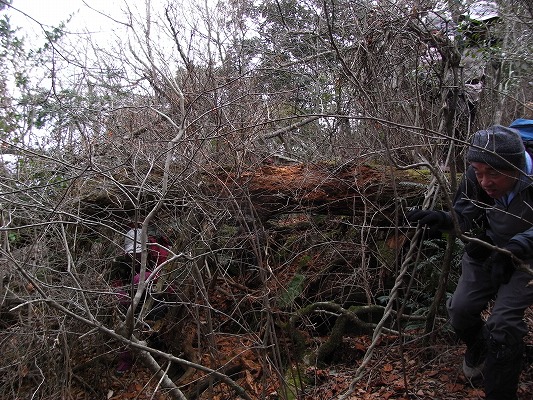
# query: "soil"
{"points": [[399, 369], [395, 372]]}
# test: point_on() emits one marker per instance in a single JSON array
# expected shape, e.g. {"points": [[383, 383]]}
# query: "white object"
{"points": [[132, 241], [483, 10]]}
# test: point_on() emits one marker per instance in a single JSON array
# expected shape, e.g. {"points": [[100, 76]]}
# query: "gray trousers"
{"points": [[475, 290]]}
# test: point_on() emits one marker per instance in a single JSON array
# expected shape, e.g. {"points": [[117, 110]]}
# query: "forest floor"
{"points": [[396, 371]]}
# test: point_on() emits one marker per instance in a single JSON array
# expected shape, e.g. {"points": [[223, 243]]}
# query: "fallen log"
{"points": [[321, 188], [268, 190]]}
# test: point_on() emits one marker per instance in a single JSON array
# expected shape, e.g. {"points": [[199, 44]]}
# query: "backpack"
{"points": [[525, 129], [156, 251]]}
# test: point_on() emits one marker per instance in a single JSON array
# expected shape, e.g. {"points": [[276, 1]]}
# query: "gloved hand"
{"points": [[478, 251], [503, 266], [435, 220]]}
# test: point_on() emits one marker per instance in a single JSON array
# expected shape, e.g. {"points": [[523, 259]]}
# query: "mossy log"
{"points": [[345, 316], [326, 350], [268, 190], [351, 315]]}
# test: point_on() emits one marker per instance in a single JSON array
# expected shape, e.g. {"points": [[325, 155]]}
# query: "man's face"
{"points": [[495, 183]]}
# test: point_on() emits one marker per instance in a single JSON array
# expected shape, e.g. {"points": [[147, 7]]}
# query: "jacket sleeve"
{"points": [[524, 240], [470, 203]]}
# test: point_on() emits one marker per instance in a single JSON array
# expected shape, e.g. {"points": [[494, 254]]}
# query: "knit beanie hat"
{"points": [[498, 146]]}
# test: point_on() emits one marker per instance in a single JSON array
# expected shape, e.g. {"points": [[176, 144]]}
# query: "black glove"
{"points": [[478, 251], [435, 220], [503, 266]]}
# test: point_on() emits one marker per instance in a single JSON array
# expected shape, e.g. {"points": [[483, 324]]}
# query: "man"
{"points": [[495, 199]]}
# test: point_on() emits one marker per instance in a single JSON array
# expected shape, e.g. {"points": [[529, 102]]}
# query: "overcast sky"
{"points": [[53, 12]]}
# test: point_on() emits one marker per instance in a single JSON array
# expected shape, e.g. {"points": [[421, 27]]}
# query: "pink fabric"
{"points": [[125, 361], [156, 251], [137, 277], [121, 290]]}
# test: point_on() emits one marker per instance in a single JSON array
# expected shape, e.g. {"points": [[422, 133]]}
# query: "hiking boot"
{"points": [[473, 372], [476, 349], [474, 360], [502, 370]]}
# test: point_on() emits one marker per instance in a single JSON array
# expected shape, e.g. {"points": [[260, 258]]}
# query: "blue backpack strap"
{"points": [[524, 127]]}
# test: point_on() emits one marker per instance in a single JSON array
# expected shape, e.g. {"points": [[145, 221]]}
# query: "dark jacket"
{"points": [[476, 211]]}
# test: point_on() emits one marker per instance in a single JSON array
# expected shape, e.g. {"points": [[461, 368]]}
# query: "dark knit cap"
{"points": [[498, 146]]}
